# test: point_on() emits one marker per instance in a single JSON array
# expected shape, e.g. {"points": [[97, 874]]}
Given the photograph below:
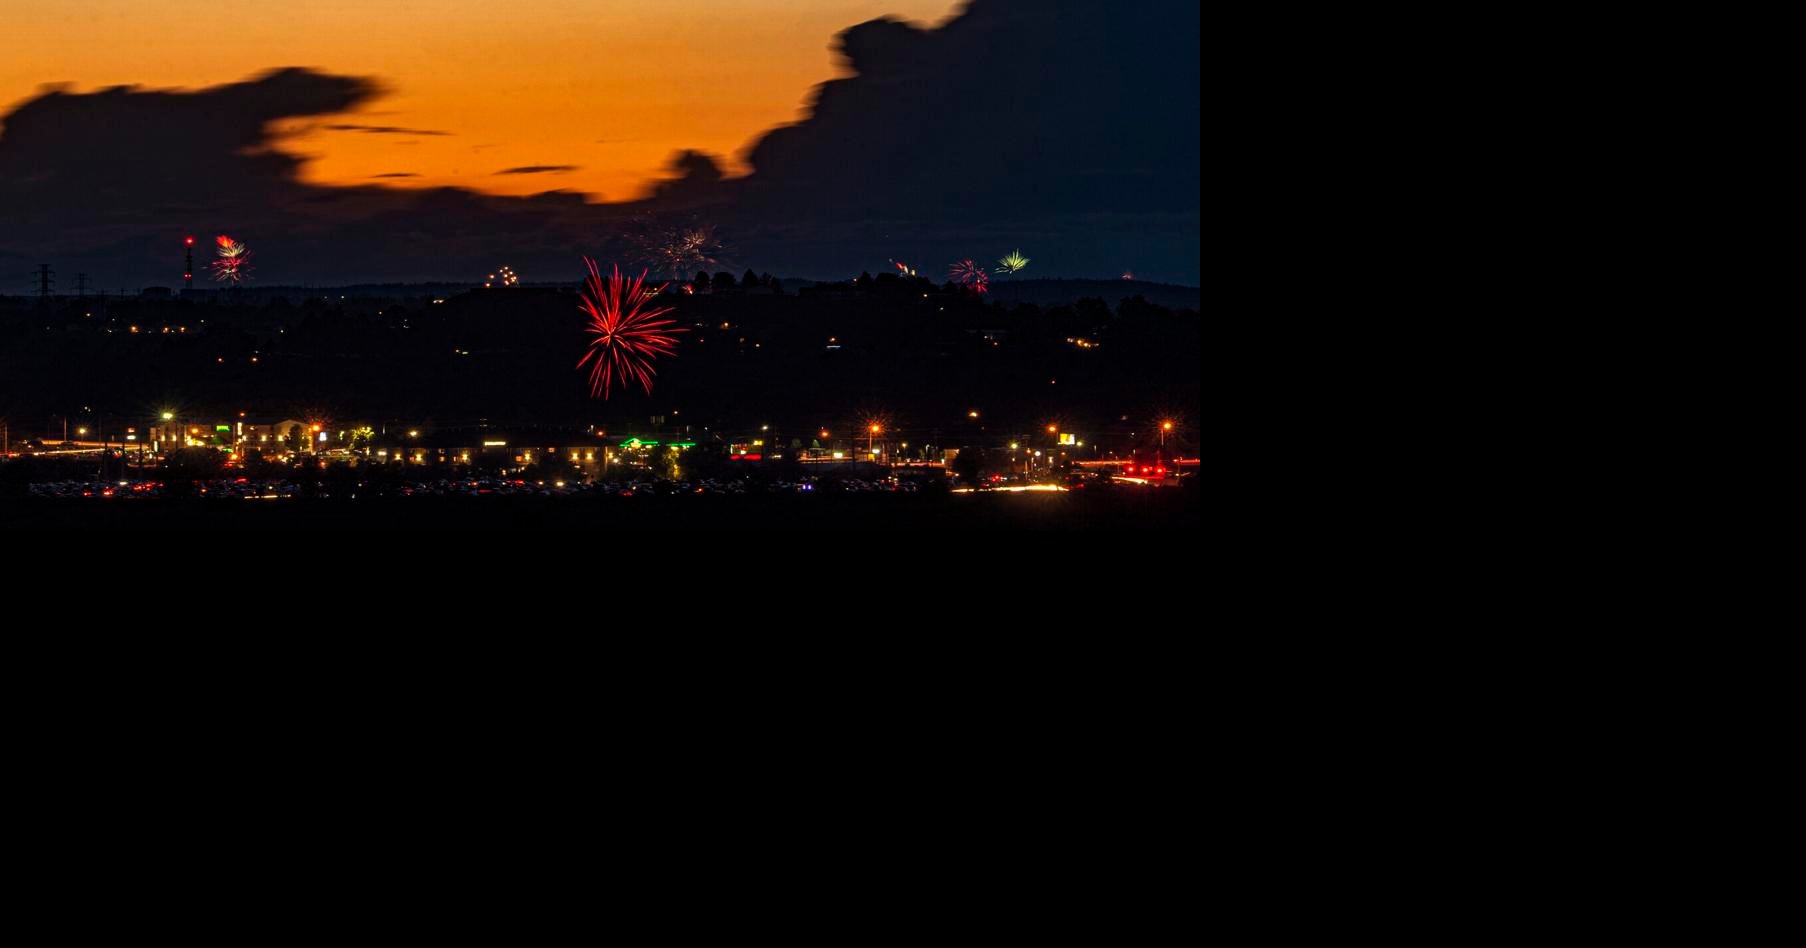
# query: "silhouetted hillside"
{"points": [[1066, 292], [904, 348]]}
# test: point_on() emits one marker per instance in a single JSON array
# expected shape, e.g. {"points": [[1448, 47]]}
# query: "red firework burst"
{"points": [[234, 263], [628, 334], [968, 273]]}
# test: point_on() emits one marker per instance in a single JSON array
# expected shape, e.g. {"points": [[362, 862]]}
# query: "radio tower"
{"points": [[188, 270]]}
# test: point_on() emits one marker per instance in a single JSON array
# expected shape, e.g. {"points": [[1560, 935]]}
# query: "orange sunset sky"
{"points": [[611, 86]]}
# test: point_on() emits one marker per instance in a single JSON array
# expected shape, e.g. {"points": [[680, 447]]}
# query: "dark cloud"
{"points": [[397, 174], [382, 130], [204, 161], [73, 159], [1067, 128], [692, 178]]}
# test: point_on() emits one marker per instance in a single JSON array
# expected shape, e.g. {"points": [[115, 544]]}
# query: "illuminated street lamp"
{"points": [[875, 430], [168, 417]]}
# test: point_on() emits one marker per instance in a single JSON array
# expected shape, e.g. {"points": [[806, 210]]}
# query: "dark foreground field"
{"points": [[1105, 510]]}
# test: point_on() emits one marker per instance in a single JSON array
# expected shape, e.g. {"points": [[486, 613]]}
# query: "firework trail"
{"points": [[969, 274], [234, 263], [1014, 263], [628, 334], [904, 268]]}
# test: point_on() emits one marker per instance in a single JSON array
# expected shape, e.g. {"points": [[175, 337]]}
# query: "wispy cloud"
{"points": [[383, 130], [539, 169], [396, 174]]}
